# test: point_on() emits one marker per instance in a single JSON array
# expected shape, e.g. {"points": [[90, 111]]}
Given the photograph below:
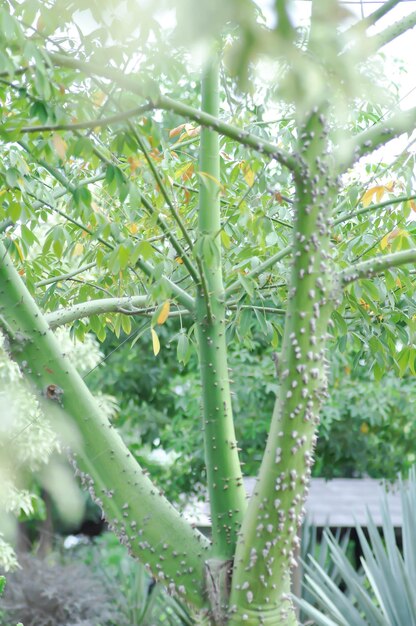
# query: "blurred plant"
{"points": [[383, 593], [29, 445], [26, 443]]}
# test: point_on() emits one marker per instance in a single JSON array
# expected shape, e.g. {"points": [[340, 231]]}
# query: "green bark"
{"points": [[265, 552], [226, 491], [143, 519]]}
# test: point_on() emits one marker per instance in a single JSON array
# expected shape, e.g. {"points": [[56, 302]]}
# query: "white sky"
{"points": [[403, 48]]}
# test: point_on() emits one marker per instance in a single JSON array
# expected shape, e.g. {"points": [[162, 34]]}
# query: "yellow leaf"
{"points": [[60, 146], [155, 342], [413, 205], [98, 98], [176, 131], [193, 132], [179, 260], [133, 228], [134, 163], [78, 249], [185, 171], [215, 180], [164, 313], [364, 428], [387, 239], [248, 174], [384, 242], [390, 185], [380, 193], [19, 250]]}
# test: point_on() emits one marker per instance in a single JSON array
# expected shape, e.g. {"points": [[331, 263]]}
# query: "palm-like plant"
{"points": [[382, 594]]}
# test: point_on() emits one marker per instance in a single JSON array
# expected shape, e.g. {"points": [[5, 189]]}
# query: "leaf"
{"points": [[248, 173], [126, 324], [60, 146], [176, 131], [387, 239], [134, 163], [204, 175], [225, 239], [182, 350], [78, 249], [98, 98], [164, 313], [133, 228], [185, 171], [155, 342], [378, 190]]}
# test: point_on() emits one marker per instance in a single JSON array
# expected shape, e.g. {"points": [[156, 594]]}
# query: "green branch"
{"points": [[367, 269], [225, 485], [373, 18], [104, 121], [373, 207], [376, 136], [159, 101], [67, 276], [133, 506], [266, 548], [270, 262], [126, 304], [393, 31]]}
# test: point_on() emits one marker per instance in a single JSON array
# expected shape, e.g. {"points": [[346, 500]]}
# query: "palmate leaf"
{"points": [[384, 594]]}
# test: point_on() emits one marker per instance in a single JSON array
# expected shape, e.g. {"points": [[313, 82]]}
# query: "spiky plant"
{"points": [[382, 594]]}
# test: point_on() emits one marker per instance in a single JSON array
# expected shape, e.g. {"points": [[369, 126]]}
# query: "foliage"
{"points": [[160, 401], [382, 594], [367, 428]]}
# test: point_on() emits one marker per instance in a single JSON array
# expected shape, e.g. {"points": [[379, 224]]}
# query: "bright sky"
{"points": [[402, 48]]}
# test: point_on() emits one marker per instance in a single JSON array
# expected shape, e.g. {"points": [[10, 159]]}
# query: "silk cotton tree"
{"points": [[209, 221]]}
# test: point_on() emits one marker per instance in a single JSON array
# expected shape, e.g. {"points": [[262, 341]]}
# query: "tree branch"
{"points": [[126, 304], [67, 276], [275, 258], [367, 269], [133, 506], [373, 207], [159, 101], [373, 18], [105, 121], [376, 136], [392, 32]]}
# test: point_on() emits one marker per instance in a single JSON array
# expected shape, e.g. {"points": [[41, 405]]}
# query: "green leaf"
{"points": [[248, 284], [182, 350]]}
